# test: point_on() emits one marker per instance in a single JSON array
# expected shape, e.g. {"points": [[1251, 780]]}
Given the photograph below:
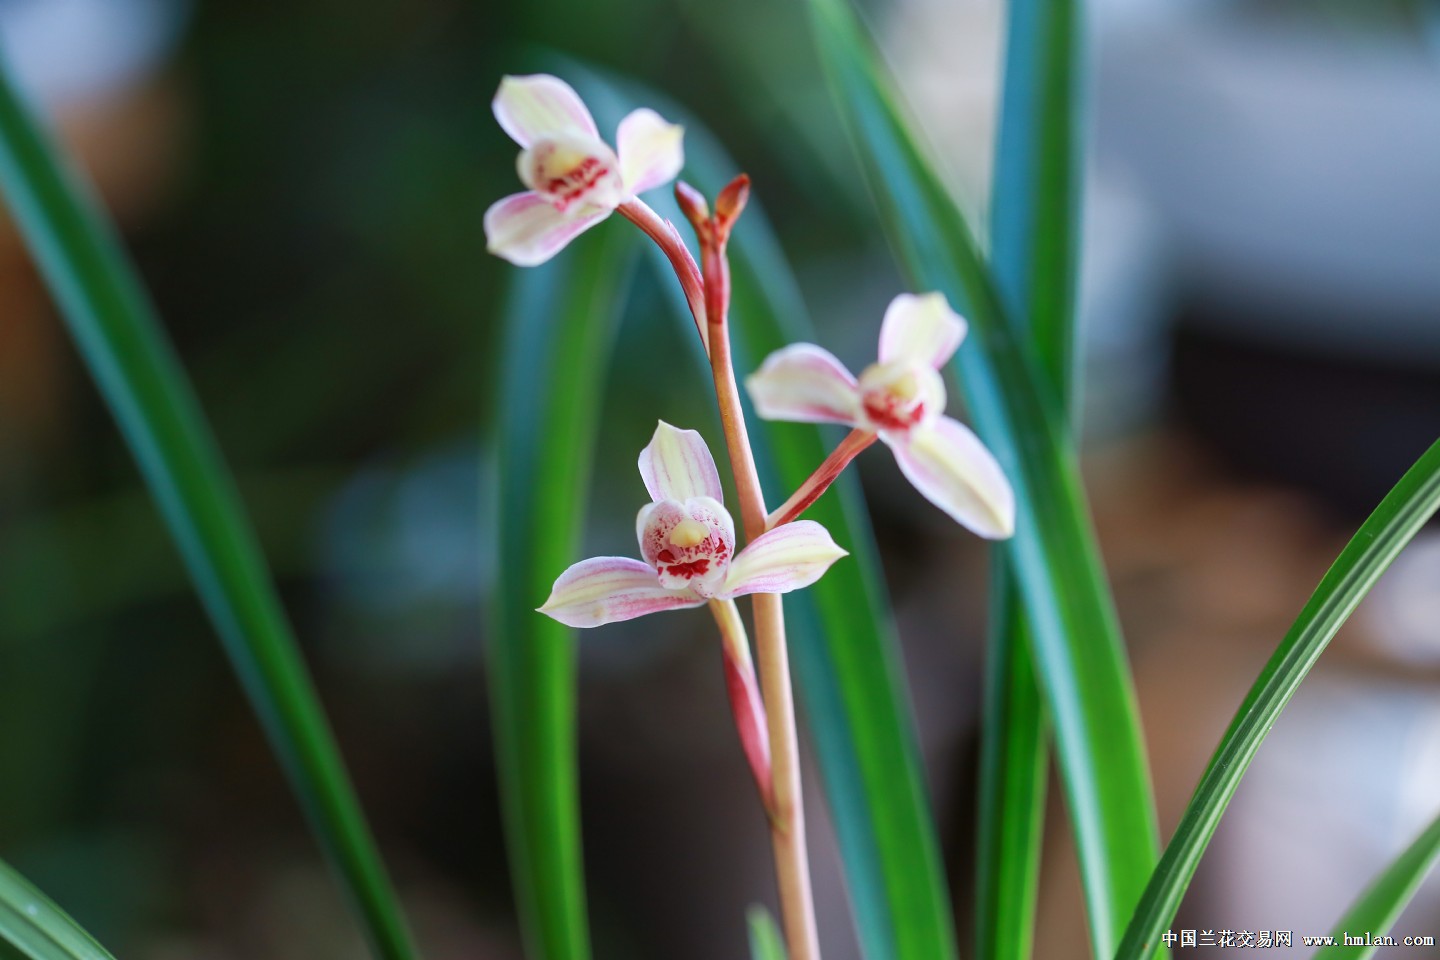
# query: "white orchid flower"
{"points": [[575, 180], [900, 399], [687, 540]]}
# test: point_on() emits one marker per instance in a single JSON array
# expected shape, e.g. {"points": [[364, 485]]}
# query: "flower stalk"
{"points": [[786, 808], [666, 237], [687, 537], [818, 482]]}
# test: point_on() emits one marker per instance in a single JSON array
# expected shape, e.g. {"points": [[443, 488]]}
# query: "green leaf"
{"points": [[33, 925], [1013, 769], [1034, 204], [125, 348], [1382, 903], [560, 325], [1079, 655], [1398, 518], [842, 638], [765, 940], [1034, 250]]}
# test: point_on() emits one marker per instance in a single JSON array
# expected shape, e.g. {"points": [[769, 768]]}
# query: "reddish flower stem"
{"points": [[666, 237], [787, 807], [819, 481]]}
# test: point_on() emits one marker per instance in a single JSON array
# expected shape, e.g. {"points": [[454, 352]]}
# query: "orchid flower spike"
{"points": [[575, 179], [687, 539], [902, 399]]}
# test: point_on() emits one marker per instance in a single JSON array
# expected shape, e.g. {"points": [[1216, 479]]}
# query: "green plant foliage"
{"points": [[560, 326], [765, 940], [1381, 905], [1079, 655], [32, 926], [1395, 521], [1033, 255], [126, 350]]}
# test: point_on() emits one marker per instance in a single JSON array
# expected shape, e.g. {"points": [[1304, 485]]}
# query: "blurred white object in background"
{"points": [[1294, 168], [63, 51], [1403, 610], [1281, 175], [949, 58]]}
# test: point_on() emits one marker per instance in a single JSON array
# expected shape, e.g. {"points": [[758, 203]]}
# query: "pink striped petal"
{"points": [[921, 329], [804, 384], [540, 106], [650, 149], [610, 589], [527, 230], [676, 465], [791, 556], [949, 465]]}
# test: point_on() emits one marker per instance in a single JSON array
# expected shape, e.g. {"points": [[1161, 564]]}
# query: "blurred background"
{"points": [[302, 185]]}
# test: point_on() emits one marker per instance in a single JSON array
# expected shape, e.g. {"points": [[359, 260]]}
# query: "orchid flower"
{"points": [[575, 179], [687, 540], [900, 400]]}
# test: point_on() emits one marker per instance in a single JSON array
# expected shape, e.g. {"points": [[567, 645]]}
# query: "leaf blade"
{"points": [[1079, 655], [561, 321], [145, 387], [1034, 205], [32, 924], [1377, 909], [1400, 515], [765, 940]]}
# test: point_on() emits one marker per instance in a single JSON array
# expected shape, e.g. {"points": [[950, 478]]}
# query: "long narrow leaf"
{"points": [[560, 325], [852, 690], [1013, 769], [125, 348], [1033, 230], [1398, 518], [36, 928], [1080, 657], [765, 940], [1382, 903]]}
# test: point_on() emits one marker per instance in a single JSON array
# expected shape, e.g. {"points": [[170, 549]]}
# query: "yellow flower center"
{"points": [[688, 533]]}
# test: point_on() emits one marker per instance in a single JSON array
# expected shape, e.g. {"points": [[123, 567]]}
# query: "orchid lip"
{"points": [[572, 172], [900, 395], [690, 544]]}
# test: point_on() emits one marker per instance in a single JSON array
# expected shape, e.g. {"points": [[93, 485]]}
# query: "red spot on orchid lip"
{"points": [[882, 413], [665, 556], [571, 186], [694, 568]]}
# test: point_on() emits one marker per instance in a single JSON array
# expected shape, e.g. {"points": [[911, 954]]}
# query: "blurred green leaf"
{"points": [[765, 940], [1080, 657], [1397, 519], [1033, 213], [1013, 770], [560, 325], [1382, 903], [125, 348], [35, 927], [842, 638]]}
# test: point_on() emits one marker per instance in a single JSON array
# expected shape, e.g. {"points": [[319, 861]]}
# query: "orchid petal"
{"points": [[920, 329], [610, 589], [949, 465], [650, 149], [805, 384], [791, 556], [527, 230], [676, 465], [540, 106]]}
